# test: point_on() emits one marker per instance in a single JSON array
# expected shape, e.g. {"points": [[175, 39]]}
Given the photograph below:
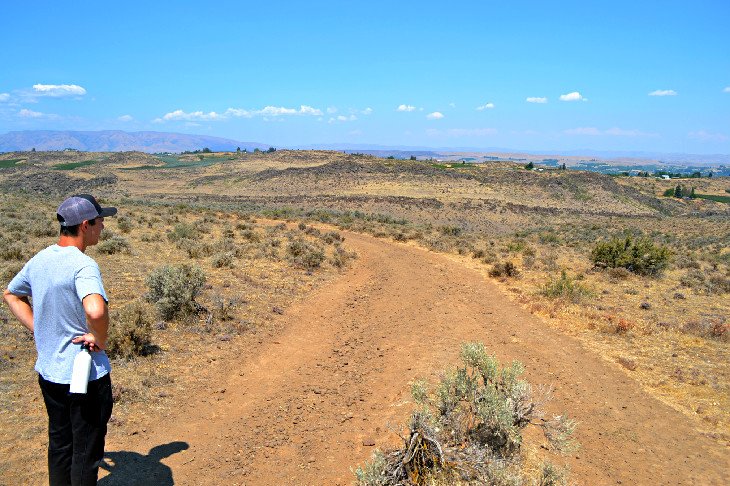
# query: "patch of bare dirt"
{"points": [[312, 400]]}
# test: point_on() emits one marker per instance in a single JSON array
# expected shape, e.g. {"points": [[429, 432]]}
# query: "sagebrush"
{"points": [[173, 289], [469, 429]]}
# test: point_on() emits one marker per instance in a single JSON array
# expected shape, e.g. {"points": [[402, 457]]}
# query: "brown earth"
{"points": [[309, 403]]}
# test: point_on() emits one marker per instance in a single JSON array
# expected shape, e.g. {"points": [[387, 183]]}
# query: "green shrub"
{"points": [[10, 251], [115, 244], [150, 237], [641, 256], [10, 271], [341, 257], [305, 255], [173, 289], [182, 231], [124, 224], [565, 287], [222, 259], [251, 235], [504, 269], [450, 230], [41, 230], [130, 332], [469, 429], [332, 238]]}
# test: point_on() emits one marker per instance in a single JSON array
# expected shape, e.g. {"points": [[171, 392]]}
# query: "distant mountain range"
{"points": [[118, 141], [153, 142]]}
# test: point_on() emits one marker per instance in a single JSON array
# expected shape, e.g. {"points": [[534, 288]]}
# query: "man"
{"points": [[69, 309]]}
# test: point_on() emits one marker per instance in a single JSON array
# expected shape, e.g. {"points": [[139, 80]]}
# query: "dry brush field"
{"points": [[533, 231]]}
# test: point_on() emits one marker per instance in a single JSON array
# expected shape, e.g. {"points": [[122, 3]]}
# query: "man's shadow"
{"points": [[130, 468]]}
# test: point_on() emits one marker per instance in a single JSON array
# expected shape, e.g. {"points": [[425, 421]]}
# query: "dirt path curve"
{"points": [[306, 406]]}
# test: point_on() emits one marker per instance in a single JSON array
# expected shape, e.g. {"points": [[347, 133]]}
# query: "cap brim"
{"points": [[105, 212]]}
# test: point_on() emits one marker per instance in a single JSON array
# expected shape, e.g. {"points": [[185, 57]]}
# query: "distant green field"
{"points": [[172, 162], [712, 197], [6, 164], [74, 165]]}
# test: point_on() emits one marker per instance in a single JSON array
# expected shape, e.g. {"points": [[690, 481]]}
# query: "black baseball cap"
{"points": [[81, 207]]}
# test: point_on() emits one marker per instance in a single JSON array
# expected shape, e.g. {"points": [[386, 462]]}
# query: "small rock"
{"points": [[628, 363], [679, 296], [160, 325], [645, 305], [277, 310], [368, 442]]}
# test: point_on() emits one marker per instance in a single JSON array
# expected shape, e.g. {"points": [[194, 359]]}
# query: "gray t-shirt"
{"points": [[58, 278]]}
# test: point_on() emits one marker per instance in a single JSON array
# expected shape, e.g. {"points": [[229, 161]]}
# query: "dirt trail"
{"points": [[307, 405]]}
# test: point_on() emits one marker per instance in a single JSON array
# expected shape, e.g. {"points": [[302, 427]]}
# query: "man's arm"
{"points": [[97, 317], [20, 307]]}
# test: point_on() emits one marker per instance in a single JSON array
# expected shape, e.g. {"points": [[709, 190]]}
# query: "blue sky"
{"points": [[531, 75]]}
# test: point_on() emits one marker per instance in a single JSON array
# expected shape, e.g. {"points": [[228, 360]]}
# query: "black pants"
{"points": [[76, 430]]}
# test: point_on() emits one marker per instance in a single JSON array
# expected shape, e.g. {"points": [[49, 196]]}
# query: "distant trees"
{"points": [[271, 149], [642, 256], [530, 166], [413, 157], [205, 150]]}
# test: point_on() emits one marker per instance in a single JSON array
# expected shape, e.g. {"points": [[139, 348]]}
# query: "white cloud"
{"points": [[367, 111], [25, 113], [663, 92], [726, 90], [4, 97], [535, 99], [405, 108], [266, 112], [280, 111], [193, 116], [436, 115], [342, 118], [488, 106], [126, 118], [708, 137], [620, 132], [331, 109], [58, 90], [574, 96], [453, 105], [239, 113]]}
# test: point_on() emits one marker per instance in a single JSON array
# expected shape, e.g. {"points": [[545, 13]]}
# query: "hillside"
{"points": [[117, 141], [445, 253]]}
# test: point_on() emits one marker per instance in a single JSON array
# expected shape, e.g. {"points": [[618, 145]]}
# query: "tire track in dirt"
{"points": [[306, 406]]}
